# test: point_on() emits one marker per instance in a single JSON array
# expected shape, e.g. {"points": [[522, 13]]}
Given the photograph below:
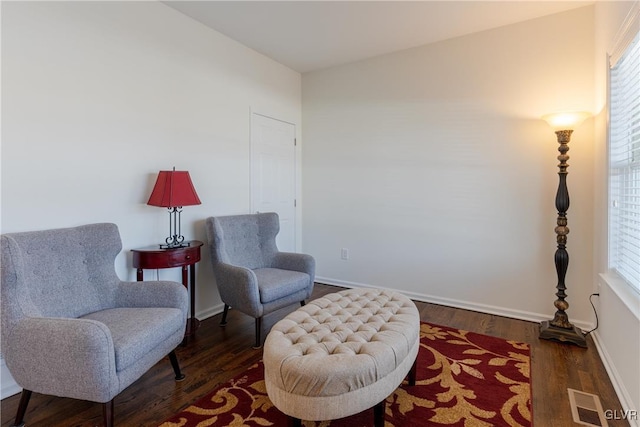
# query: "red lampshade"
{"points": [[173, 188]]}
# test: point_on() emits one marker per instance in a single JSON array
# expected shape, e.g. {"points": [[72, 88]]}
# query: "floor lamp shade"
{"points": [[173, 190], [566, 121]]}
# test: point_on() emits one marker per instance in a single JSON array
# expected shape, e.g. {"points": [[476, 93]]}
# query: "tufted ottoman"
{"points": [[342, 354]]}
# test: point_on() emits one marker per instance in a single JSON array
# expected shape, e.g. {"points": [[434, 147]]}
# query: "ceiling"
{"points": [[312, 35]]}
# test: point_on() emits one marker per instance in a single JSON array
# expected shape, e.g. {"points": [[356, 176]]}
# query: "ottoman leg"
{"points": [[294, 422], [378, 414], [412, 373]]}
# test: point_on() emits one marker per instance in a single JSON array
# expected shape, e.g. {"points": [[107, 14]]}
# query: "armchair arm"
{"points": [[297, 262], [153, 294], [238, 287], [63, 357]]}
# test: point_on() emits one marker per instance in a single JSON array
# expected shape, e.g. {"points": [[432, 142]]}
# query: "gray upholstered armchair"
{"points": [[71, 328], [252, 275]]}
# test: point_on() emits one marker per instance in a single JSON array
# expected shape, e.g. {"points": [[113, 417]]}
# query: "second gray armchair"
{"points": [[252, 275]]}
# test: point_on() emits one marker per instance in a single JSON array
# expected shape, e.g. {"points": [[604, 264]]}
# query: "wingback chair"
{"points": [[252, 275], [71, 327]]}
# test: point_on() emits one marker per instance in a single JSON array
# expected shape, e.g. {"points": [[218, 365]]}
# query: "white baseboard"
{"points": [[8, 386], [211, 311], [466, 305], [616, 380]]}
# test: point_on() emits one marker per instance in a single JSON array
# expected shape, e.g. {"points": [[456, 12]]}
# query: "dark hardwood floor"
{"points": [[217, 354]]}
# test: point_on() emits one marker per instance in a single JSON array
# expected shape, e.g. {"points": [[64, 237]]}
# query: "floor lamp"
{"points": [[559, 328]]}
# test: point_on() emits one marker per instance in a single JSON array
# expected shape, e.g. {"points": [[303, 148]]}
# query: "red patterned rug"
{"points": [[463, 379]]}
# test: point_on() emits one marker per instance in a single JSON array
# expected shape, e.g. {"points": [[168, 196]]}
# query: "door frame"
{"points": [[296, 172]]}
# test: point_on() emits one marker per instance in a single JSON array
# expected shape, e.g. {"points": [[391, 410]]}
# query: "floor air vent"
{"points": [[586, 409]]}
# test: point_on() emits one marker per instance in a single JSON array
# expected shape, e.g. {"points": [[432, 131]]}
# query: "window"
{"points": [[624, 155]]}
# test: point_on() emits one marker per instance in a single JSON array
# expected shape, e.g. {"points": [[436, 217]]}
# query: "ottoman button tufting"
{"points": [[361, 346]]}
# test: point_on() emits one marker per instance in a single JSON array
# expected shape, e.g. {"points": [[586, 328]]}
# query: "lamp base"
{"points": [[571, 336]]}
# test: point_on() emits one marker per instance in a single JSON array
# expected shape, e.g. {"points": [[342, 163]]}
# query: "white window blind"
{"points": [[624, 156]]}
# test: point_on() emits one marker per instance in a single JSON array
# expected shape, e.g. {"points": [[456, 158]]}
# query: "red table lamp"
{"points": [[173, 190]]}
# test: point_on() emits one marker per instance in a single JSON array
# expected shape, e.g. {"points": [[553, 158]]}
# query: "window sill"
{"points": [[629, 297]]}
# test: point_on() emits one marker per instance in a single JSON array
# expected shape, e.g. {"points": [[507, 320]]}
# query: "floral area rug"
{"points": [[463, 379]]}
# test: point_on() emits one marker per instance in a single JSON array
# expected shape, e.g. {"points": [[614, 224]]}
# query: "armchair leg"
{"points": [[22, 407], [224, 315], [107, 413], [258, 330], [176, 366]]}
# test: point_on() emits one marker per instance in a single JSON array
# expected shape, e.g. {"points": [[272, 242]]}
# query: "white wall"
{"points": [[97, 97], [432, 167], [618, 334]]}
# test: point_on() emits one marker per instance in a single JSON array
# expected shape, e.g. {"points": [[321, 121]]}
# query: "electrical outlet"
{"points": [[344, 254]]}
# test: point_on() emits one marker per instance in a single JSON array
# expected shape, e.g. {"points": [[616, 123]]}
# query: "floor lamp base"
{"points": [[572, 336]]}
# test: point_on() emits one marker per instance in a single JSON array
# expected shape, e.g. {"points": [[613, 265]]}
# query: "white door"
{"points": [[273, 174]]}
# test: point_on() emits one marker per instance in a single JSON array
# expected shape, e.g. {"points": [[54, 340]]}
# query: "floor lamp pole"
{"points": [[559, 328]]}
